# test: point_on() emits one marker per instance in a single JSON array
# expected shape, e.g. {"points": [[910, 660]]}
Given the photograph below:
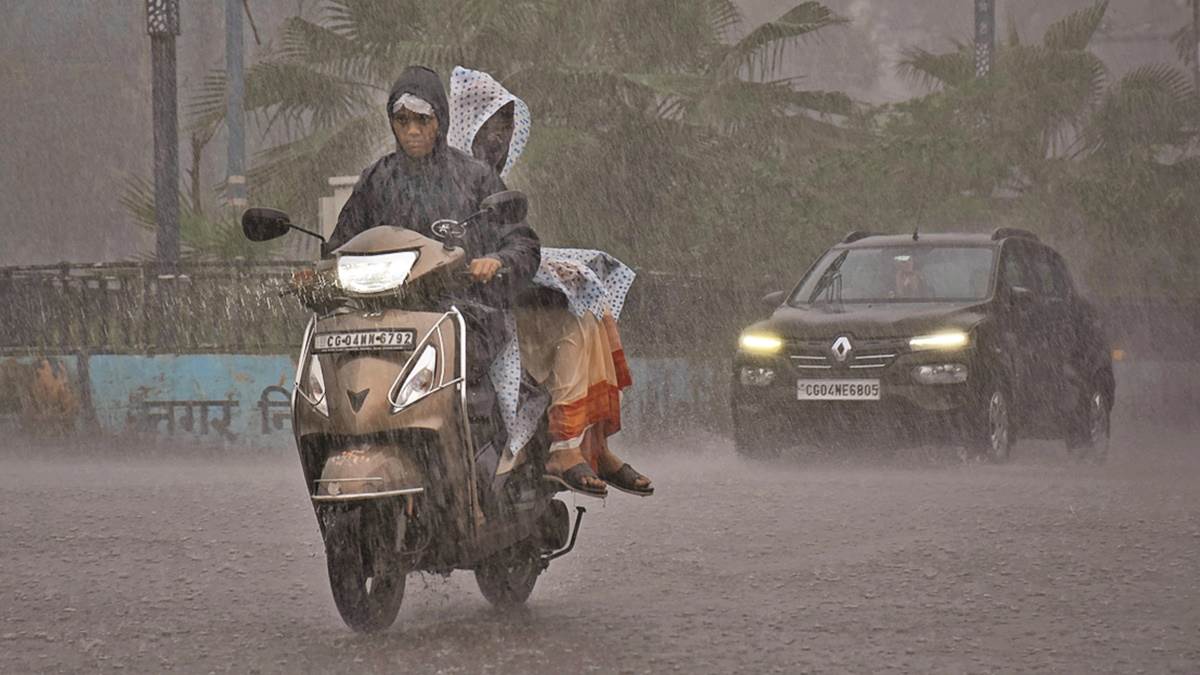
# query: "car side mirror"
{"points": [[263, 224], [508, 207], [773, 300], [1021, 296]]}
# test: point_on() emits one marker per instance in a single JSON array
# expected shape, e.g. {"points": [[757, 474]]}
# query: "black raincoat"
{"points": [[413, 193]]}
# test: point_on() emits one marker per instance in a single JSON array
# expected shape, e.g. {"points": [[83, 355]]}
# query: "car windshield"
{"points": [[899, 274]]}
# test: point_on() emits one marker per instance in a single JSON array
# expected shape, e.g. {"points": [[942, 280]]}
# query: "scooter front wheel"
{"points": [[507, 579], [365, 572]]}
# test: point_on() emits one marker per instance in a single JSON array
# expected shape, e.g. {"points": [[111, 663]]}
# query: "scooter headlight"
{"points": [[375, 273], [420, 382], [316, 386]]}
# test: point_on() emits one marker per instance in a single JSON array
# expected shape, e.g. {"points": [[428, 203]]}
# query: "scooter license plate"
{"points": [[364, 340]]}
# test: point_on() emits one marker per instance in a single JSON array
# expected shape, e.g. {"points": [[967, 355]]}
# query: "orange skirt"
{"points": [[581, 361]]}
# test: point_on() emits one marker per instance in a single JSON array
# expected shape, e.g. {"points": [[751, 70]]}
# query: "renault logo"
{"points": [[841, 349]]}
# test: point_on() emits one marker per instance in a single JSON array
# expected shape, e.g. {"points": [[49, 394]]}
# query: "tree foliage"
{"points": [[1048, 141], [651, 118], [204, 234], [664, 133]]}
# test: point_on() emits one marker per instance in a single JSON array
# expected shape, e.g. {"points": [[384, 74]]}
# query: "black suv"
{"points": [[960, 337]]}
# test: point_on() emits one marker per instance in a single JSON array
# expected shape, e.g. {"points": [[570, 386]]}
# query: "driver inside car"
{"points": [[426, 180], [909, 282]]}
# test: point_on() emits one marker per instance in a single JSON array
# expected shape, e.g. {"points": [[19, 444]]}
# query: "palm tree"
{"points": [[1038, 98], [205, 234], [1185, 39], [1108, 166], [1054, 100], [633, 98]]}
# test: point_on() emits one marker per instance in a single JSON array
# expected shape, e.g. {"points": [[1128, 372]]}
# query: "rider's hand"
{"points": [[483, 269]]}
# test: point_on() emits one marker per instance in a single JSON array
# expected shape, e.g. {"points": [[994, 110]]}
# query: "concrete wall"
{"points": [[1158, 396], [240, 402]]}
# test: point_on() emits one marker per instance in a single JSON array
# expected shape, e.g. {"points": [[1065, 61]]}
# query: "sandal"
{"points": [[572, 479], [625, 480]]}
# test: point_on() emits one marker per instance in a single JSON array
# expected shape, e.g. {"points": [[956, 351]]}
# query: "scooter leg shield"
{"points": [[367, 472]]}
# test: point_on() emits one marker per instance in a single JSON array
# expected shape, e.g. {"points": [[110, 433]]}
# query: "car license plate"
{"points": [[363, 340], [837, 390]]}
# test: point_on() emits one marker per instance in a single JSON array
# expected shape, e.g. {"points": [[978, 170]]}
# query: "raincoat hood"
{"points": [[427, 86], [474, 97]]}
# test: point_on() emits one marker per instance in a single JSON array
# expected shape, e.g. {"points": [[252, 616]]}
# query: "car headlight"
{"points": [[420, 382], [375, 273], [951, 339], [316, 386], [760, 343]]}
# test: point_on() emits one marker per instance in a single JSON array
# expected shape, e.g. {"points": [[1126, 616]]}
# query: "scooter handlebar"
{"points": [[500, 275]]}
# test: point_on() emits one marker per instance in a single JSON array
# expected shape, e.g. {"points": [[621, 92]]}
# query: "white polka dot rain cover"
{"points": [[475, 97], [591, 280]]}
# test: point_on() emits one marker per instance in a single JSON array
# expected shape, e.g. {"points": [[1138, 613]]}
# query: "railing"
{"points": [[142, 308], [234, 307], [679, 332]]}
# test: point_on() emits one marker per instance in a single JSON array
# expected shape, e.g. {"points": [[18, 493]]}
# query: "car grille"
{"points": [[867, 355]]}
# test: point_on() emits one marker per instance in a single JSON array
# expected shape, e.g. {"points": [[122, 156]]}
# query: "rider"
{"points": [[575, 351], [426, 180]]}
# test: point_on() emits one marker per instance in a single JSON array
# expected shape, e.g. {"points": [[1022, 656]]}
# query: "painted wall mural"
{"points": [[223, 399], [238, 400]]}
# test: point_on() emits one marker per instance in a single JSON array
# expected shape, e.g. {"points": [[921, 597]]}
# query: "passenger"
{"points": [[426, 180], [575, 351]]}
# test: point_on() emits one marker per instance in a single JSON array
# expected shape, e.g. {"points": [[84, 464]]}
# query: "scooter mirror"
{"points": [[263, 224], [508, 207]]}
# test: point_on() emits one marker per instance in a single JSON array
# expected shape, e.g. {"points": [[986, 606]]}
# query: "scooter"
{"points": [[401, 466]]}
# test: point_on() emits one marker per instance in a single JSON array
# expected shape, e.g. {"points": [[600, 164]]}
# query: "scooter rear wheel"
{"points": [[365, 573], [507, 579]]}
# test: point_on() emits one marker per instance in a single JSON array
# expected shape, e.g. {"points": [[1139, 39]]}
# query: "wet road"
{"points": [[917, 564]]}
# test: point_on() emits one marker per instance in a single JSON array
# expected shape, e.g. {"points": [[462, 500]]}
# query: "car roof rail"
{"points": [[1006, 232], [856, 235]]}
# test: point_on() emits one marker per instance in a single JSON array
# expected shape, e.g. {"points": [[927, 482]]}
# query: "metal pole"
{"points": [[1196, 36], [235, 180], [166, 148], [162, 23], [985, 36]]}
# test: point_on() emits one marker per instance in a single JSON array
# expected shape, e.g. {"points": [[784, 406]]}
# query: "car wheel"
{"points": [[991, 430], [1089, 437]]}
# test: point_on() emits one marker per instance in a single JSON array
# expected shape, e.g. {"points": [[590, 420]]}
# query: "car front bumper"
{"points": [[903, 402]]}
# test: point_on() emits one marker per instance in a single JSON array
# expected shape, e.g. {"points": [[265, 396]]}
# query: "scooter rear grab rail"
{"points": [[579, 511]]}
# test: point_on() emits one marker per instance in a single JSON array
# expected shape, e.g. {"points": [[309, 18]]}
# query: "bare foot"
{"points": [[561, 460]]}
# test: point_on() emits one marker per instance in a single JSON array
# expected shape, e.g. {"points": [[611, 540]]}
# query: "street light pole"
{"points": [[162, 24], [985, 36], [1196, 36], [235, 179]]}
